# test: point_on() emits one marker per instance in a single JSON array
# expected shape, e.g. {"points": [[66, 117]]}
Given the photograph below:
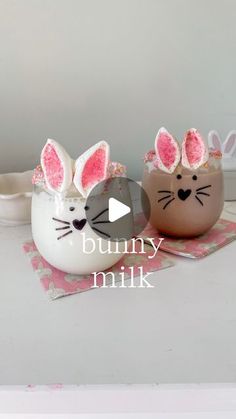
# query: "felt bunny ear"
{"points": [[91, 167], [229, 145], [56, 165], [194, 151], [167, 151], [214, 140]]}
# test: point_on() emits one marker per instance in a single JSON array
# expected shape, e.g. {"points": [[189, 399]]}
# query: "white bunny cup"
{"points": [[228, 150], [59, 223], [184, 185]]}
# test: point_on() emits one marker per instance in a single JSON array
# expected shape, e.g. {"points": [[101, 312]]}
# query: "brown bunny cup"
{"points": [[185, 186]]}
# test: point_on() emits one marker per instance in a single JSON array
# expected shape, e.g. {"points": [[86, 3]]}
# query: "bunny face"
{"points": [[186, 189], [60, 228], [62, 234]]}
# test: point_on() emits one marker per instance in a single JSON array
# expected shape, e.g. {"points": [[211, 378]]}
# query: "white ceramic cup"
{"points": [[15, 198]]}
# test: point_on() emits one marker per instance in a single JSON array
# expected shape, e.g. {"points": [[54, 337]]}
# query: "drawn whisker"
{"points": [[100, 213], [165, 197], [64, 235], [101, 222], [203, 193], [199, 200], [61, 221], [166, 205], [203, 187], [62, 228], [101, 232], [166, 192]]}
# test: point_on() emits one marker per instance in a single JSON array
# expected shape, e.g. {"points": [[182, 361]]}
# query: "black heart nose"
{"points": [[79, 224], [184, 194]]}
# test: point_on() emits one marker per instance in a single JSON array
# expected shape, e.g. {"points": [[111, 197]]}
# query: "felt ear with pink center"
{"points": [[194, 151], [167, 151], [91, 167], [229, 145], [214, 140], [56, 165]]}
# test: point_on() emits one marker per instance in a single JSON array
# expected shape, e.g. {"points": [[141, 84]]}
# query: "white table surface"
{"points": [[181, 331]]}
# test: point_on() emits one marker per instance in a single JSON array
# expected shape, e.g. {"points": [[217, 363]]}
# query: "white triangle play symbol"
{"points": [[117, 209]]}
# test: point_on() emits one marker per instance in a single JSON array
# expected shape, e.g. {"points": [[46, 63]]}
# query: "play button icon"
{"points": [[117, 210]]}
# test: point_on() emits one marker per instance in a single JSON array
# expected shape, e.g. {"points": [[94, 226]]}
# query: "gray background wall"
{"points": [[83, 70]]}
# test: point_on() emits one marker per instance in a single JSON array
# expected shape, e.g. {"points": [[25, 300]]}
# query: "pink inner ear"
{"points": [[53, 167], [166, 150], [215, 142], [94, 169], [194, 148]]}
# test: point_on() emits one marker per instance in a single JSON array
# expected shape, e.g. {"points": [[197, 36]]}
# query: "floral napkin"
{"points": [[59, 284], [220, 235]]}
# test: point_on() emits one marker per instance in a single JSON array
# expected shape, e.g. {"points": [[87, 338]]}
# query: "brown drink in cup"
{"points": [[185, 189]]}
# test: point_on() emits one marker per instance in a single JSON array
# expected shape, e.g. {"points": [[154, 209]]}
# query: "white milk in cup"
{"points": [[60, 227]]}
